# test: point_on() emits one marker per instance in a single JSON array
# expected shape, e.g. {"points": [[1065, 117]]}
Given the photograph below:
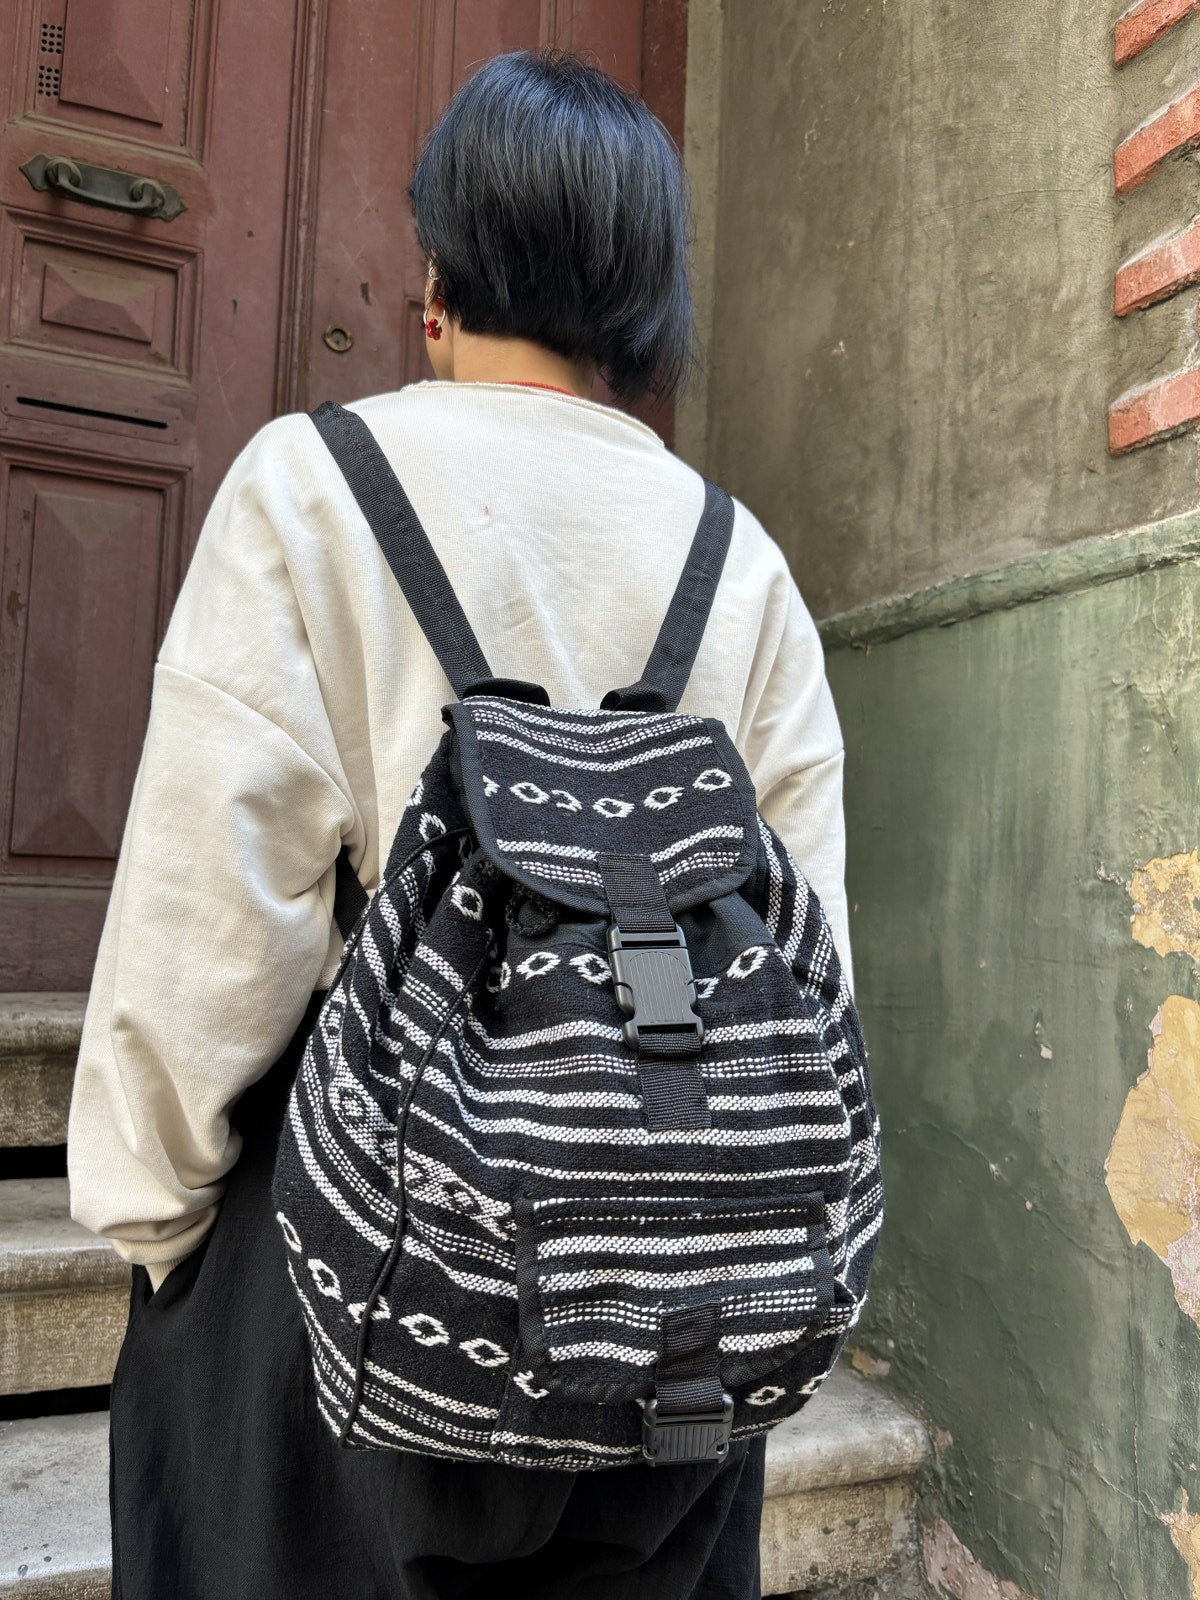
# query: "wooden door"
{"points": [[138, 354]]}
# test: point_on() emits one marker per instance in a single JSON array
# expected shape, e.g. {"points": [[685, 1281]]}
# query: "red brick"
{"points": [[1160, 271], [1176, 127], [1145, 22], [1166, 406]]}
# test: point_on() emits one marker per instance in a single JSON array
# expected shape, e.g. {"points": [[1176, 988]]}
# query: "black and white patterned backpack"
{"points": [[582, 1161]]}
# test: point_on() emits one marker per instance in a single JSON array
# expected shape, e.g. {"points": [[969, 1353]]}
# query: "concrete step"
{"points": [[39, 1040], [54, 1534], [841, 1479], [838, 1507], [64, 1294]]}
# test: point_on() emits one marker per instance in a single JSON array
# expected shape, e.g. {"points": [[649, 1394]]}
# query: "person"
{"points": [[295, 704]]}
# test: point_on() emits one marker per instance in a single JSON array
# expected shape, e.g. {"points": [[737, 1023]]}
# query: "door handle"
{"points": [[104, 186]]}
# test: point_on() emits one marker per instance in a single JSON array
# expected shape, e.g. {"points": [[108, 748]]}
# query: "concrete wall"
{"points": [[913, 345], [910, 243]]}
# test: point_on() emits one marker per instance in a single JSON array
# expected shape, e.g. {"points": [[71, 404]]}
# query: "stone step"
{"points": [[54, 1534], [39, 1040], [64, 1294], [838, 1505]]}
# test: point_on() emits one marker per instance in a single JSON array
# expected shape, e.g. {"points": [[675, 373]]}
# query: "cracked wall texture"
{"points": [[1014, 785]]}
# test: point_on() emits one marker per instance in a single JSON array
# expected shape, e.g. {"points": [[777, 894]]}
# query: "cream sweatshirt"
{"points": [[296, 702]]}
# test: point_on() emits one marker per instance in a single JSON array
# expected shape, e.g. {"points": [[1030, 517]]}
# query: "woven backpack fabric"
{"points": [[581, 1164]]}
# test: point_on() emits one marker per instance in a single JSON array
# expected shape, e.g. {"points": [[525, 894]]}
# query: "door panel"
{"points": [[95, 584], [119, 67], [76, 291], [118, 58]]}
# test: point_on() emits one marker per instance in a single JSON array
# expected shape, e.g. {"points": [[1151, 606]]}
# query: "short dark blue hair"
{"points": [[553, 204]]}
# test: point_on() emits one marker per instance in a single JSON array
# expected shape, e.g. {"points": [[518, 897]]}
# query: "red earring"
{"points": [[433, 325]]}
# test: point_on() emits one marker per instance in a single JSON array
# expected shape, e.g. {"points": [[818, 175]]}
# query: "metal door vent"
{"points": [[49, 73]]}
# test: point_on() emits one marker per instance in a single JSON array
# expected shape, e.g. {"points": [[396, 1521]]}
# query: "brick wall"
{"points": [[1167, 404]]}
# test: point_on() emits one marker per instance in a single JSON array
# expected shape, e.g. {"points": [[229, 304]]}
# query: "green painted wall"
{"points": [[1006, 775]]}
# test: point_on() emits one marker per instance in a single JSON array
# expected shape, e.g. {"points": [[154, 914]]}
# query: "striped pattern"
{"points": [[592, 1276], [555, 788], [516, 1274]]}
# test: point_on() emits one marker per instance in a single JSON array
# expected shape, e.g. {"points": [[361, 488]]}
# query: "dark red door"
{"points": [[137, 354]]}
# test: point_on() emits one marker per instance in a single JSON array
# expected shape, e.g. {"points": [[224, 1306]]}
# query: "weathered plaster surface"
{"points": [[913, 344], [1154, 1162], [1006, 777], [1184, 1528], [1100, 558], [1165, 913], [952, 1568], [870, 1366]]}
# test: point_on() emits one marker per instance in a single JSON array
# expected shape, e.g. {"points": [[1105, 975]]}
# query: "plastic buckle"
{"points": [[686, 1435], [652, 977]]}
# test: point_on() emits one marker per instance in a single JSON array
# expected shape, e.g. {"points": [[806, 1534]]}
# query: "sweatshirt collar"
{"points": [[550, 396]]}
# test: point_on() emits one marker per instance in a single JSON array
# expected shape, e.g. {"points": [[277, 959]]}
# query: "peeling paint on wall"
{"points": [[1184, 1528], [870, 1366], [951, 1567], [1154, 1160], [1165, 914]]}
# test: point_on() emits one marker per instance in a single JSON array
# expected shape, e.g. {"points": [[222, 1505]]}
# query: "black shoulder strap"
{"points": [[422, 578], [349, 896], [405, 544], [666, 673]]}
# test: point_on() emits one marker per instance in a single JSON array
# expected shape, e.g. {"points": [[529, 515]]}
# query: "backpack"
{"points": [[581, 1163]]}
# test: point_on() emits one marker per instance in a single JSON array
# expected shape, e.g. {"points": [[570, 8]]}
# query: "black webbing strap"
{"points": [[687, 1373], [405, 544], [653, 981], [635, 894], [673, 1091], [349, 896], [666, 673], [690, 1417]]}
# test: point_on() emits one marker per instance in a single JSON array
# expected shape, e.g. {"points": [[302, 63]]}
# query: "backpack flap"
{"points": [[549, 791], [670, 1300]]}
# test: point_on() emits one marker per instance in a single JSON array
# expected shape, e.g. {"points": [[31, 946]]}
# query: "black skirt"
{"points": [[227, 1484]]}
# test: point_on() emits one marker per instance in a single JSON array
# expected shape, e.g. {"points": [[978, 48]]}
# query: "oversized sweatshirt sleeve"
{"points": [[792, 743], [219, 921]]}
